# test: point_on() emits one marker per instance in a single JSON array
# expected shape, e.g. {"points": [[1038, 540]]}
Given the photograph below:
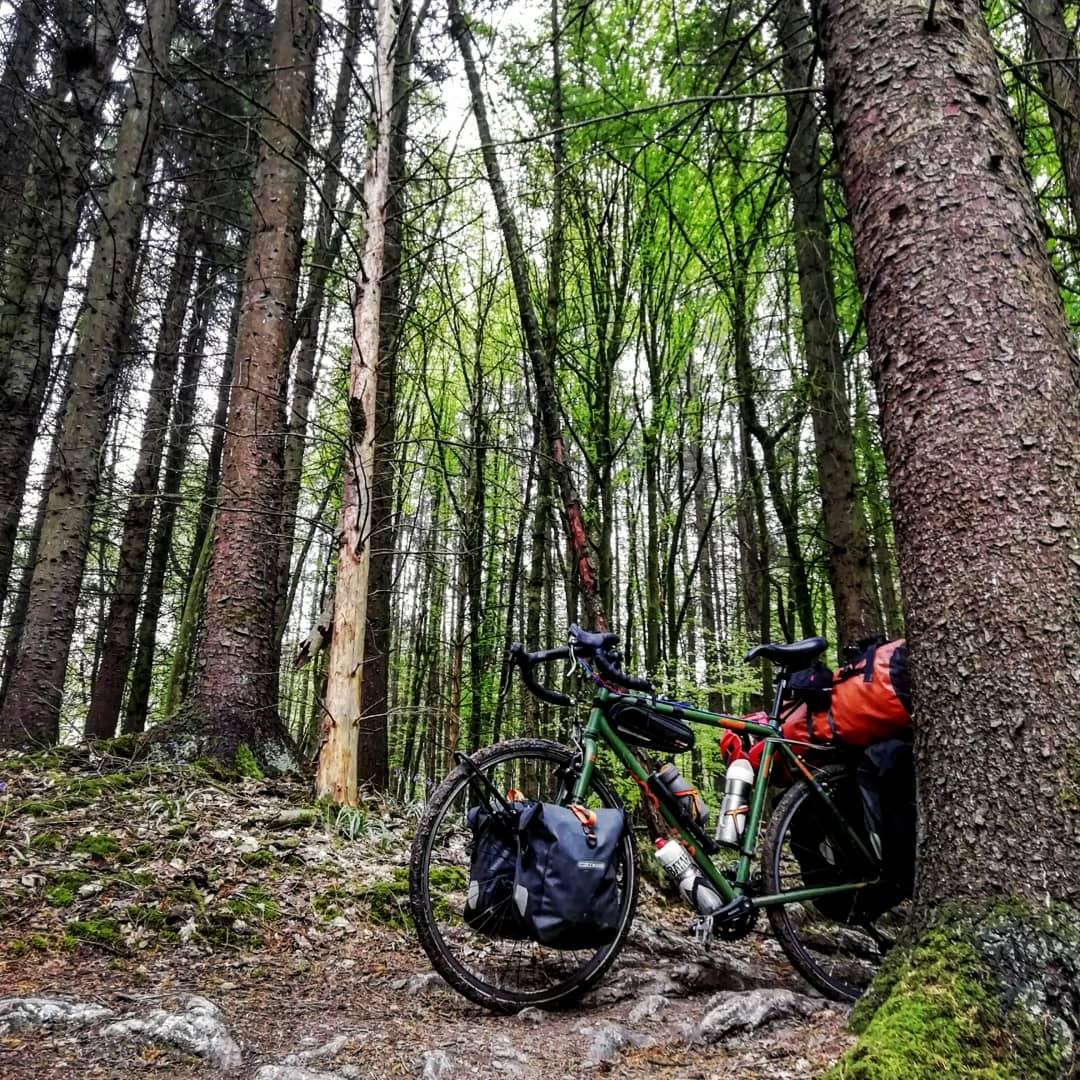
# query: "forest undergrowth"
{"points": [[127, 888]]}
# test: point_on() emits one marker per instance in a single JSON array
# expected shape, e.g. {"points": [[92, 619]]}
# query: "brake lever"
{"points": [[571, 661]]}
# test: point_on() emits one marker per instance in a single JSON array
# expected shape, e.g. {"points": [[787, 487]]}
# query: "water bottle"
{"points": [[738, 784], [692, 803], [693, 888]]}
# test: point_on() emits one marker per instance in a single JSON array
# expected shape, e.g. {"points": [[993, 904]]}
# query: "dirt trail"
{"points": [[132, 890]]}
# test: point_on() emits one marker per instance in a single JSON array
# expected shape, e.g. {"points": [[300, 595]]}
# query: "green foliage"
{"points": [[246, 765]]}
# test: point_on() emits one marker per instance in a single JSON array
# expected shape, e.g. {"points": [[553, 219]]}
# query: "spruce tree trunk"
{"points": [[38, 256], [31, 710], [234, 695], [108, 690], [979, 384], [851, 574]]}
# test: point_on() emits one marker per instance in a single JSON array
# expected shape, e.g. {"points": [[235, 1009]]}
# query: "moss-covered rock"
{"points": [[985, 990]]}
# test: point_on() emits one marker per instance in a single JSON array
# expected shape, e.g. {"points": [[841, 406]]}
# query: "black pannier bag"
{"points": [[878, 798], [887, 784], [489, 903], [566, 889], [634, 722]]}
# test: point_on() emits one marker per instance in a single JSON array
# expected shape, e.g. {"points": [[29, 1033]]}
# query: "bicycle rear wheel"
{"points": [[502, 974], [836, 942]]}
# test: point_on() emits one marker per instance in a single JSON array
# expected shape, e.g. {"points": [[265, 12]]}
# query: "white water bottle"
{"points": [[693, 888], [738, 785]]}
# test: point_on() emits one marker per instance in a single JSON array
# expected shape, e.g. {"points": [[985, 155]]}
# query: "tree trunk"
{"points": [[31, 711], [112, 673], [343, 715], [38, 258], [851, 574], [977, 375], [234, 696], [180, 427], [329, 233]]}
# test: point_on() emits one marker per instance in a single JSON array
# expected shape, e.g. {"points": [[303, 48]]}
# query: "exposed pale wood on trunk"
{"points": [[336, 774]]}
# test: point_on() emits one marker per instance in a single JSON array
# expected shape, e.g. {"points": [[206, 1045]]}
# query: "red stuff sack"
{"points": [[871, 699]]}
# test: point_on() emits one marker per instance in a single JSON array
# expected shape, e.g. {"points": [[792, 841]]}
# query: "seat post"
{"points": [[782, 677]]}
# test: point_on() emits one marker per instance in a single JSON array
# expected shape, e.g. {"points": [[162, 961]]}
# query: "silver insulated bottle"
{"points": [[738, 785]]}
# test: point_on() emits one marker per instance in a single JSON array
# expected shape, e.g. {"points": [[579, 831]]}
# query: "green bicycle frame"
{"points": [[598, 731]]}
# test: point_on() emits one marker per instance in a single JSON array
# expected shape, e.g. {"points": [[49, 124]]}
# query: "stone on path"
{"points": [[199, 1030], [728, 1013], [18, 1014], [438, 1065], [608, 1039]]}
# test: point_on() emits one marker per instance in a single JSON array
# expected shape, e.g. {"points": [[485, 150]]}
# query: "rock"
{"points": [[531, 1015], [506, 1058], [438, 1065], [199, 1030], [648, 1007], [729, 1012], [608, 1039], [18, 1014], [294, 1072], [424, 983], [319, 1053]]}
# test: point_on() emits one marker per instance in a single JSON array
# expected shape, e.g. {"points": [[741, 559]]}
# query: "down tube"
{"points": [[598, 731]]}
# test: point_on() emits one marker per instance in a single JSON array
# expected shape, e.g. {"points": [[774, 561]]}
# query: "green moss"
{"points": [[936, 1010], [327, 904], [246, 765], [18, 947], [388, 901], [254, 903], [96, 932], [137, 879], [101, 845], [262, 857], [124, 746], [90, 788], [59, 896], [47, 841], [63, 887]]}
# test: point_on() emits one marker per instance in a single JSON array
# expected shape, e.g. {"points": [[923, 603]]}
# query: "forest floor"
{"points": [[168, 922]]}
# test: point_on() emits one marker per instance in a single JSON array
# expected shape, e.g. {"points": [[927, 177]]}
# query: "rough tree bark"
{"points": [[851, 573], [329, 233], [38, 257], [234, 697], [979, 386], [31, 710], [108, 691], [336, 775]]}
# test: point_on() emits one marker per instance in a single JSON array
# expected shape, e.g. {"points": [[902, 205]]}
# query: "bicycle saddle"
{"points": [[798, 654], [593, 641]]}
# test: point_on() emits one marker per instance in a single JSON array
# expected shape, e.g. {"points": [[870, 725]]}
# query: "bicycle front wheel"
{"points": [[835, 942], [504, 974]]}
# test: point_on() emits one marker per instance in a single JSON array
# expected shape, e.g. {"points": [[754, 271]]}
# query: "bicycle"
{"points": [[820, 881]]}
